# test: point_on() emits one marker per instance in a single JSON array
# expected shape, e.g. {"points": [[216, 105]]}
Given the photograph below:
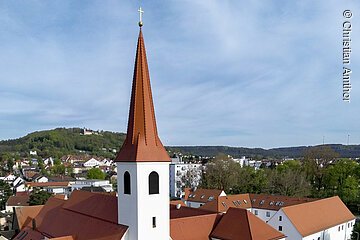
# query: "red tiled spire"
{"points": [[142, 143]]}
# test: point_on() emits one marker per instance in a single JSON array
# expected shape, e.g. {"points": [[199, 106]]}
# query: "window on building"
{"points": [[267, 214], [280, 218], [342, 227], [280, 228], [153, 183], [339, 229], [256, 212], [127, 189], [154, 222], [318, 238]]}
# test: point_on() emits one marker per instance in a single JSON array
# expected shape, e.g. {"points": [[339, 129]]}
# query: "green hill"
{"points": [[61, 141]]}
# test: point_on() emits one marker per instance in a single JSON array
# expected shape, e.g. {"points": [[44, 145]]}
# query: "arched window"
{"points": [[154, 183], [127, 189]]}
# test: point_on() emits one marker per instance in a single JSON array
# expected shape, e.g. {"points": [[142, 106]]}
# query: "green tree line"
{"points": [[321, 173]]}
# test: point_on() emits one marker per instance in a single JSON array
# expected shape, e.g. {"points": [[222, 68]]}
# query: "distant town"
{"points": [[34, 169]]}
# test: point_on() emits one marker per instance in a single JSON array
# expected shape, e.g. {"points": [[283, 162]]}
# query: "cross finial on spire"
{"points": [[141, 13]]}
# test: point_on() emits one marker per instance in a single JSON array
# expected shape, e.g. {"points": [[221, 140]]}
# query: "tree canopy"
{"points": [[95, 173]]}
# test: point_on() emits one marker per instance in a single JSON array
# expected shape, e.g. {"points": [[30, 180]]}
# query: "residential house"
{"points": [[19, 200], [80, 184], [51, 187]]}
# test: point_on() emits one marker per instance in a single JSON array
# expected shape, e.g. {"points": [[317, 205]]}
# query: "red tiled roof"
{"points": [[21, 200], [29, 234], [47, 184], [275, 202], [81, 217], [88, 203], [223, 203], [142, 142], [64, 238], [193, 228], [24, 215], [176, 202], [187, 212], [260, 201], [309, 218], [240, 224], [202, 195]]}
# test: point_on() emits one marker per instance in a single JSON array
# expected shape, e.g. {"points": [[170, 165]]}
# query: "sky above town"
{"points": [[239, 73]]}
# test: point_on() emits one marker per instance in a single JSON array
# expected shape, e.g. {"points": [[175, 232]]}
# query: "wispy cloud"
{"points": [[223, 72]]}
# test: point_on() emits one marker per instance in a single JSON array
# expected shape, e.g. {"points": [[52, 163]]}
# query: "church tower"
{"points": [[143, 163]]}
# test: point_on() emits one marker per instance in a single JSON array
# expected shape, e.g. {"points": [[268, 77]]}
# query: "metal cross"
{"points": [[141, 13]]}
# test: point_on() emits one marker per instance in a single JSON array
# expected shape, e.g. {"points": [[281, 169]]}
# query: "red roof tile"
{"points": [[25, 215], [202, 195], [184, 211], [275, 202], [21, 200], [102, 206], [47, 184], [240, 224], [223, 203], [193, 228], [309, 218], [142, 142], [80, 217]]}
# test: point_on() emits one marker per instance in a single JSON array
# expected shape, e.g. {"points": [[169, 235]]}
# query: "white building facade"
{"points": [[184, 175]]}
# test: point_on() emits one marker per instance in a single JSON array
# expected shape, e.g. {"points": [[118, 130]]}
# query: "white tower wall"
{"points": [[138, 209]]}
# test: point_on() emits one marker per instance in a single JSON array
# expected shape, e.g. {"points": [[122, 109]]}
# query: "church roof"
{"points": [[84, 216], [142, 143], [240, 224]]}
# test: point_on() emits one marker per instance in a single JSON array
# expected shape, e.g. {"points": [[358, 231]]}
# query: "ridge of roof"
{"points": [[142, 143]]}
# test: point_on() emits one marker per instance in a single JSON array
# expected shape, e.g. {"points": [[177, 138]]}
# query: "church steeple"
{"points": [[142, 143], [143, 163]]}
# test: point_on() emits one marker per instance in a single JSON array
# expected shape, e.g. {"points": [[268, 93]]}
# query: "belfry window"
{"points": [[153, 183], [127, 189]]}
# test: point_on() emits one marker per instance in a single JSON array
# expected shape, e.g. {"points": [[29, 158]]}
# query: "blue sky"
{"points": [[239, 73]]}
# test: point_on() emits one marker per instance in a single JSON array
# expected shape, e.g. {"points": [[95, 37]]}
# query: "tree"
{"points": [[58, 169], [39, 197], [220, 173], [317, 159], [5, 193], [342, 179], [289, 179], [356, 232], [95, 173], [10, 164], [249, 180]]}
